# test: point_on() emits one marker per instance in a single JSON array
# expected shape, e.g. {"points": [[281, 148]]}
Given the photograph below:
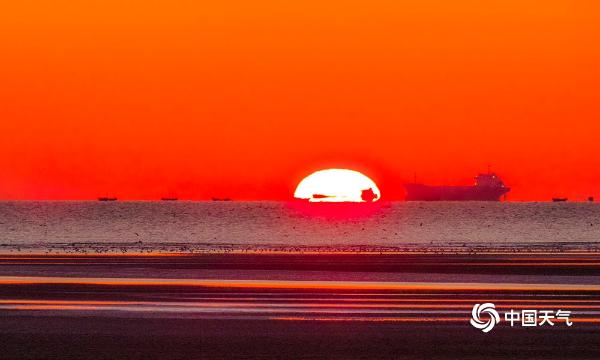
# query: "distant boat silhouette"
{"points": [[591, 199], [169, 199], [220, 199], [321, 196], [559, 199], [103, 198], [368, 195]]}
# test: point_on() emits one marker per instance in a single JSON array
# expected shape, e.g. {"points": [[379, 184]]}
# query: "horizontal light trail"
{"points": [[297, 284]]}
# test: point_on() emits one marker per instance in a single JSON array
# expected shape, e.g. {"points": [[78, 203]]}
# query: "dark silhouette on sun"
{"points": [[368, 195]]}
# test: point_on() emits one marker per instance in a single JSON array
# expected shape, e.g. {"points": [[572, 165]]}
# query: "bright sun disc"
{"points": [[337, 185]]}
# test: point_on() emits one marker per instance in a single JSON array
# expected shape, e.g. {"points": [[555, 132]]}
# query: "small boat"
{"points": [[559, 199], [103, 198], [220, 199], [169, 199], [321, 196], [368, 195], [590, 198]]}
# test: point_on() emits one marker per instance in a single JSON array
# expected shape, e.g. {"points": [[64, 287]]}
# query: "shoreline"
{"points": [[162, 249], [579, 268]]}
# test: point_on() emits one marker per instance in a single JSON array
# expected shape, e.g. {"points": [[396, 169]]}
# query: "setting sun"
{"points": [[337, 185]]}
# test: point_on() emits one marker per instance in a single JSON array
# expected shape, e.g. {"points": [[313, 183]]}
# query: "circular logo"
{"points": [[487, 310]]}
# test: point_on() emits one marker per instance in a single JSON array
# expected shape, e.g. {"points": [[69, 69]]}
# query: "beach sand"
{"points": [[285, 305]]}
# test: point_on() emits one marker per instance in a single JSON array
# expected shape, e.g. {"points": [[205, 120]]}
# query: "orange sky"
{"points": [[143, 99]]}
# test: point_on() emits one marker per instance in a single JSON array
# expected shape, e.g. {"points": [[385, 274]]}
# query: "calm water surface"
{"points": [[284, 224]]}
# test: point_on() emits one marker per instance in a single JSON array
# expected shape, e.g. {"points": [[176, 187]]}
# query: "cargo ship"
{"points": [[487, 187]]}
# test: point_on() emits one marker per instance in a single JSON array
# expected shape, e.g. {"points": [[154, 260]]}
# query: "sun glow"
{"points": [[337, 185]]}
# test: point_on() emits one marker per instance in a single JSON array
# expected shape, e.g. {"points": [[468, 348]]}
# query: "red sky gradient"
{"points": [[143, 99]]}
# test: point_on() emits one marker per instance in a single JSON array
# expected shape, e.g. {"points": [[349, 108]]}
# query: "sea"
{"points": [[205, 226], [256, 280]]}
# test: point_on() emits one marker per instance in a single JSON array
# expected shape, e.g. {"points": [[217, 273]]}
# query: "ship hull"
{"points": [[419, 192]]}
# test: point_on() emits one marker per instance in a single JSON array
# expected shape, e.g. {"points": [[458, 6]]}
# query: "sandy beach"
{"points": [[293, 305]]}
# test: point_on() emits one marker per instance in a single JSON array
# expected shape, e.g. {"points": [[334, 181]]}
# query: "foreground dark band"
{"points": [[293, 306]]}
